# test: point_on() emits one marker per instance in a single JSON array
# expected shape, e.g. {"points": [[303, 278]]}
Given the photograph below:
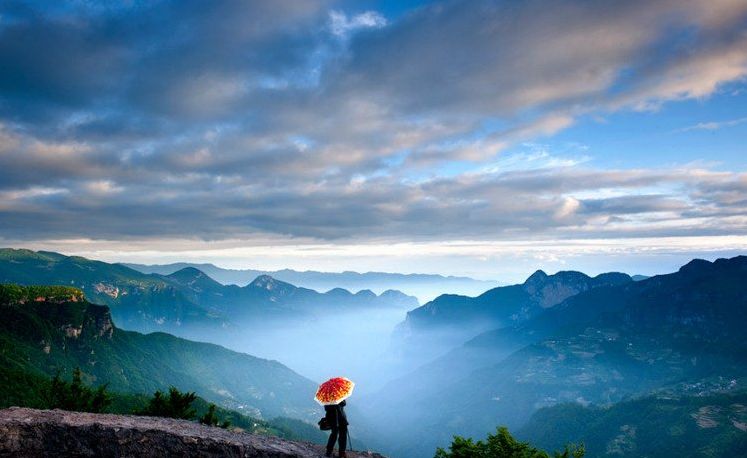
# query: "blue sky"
{"points": [[677, 133], [485, 138]]}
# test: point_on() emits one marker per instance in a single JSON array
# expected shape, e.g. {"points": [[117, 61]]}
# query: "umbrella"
{"points": [[334, 391]]}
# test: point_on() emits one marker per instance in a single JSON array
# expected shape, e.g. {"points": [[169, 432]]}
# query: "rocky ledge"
{"points": [[38, 433]]}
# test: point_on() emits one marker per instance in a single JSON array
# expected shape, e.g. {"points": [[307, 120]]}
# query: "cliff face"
{"points": [[39, 433]]}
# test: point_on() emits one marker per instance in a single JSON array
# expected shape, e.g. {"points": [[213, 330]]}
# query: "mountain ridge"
{"points": [[538, 289], [598, 347], [67, 331], [185, 300], [420, 285], [451, 319]]}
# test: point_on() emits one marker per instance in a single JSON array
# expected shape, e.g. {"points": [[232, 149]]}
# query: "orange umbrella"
{"points": [[334, 391]]}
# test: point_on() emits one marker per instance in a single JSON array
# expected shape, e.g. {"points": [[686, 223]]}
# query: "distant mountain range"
{"points": [[187, 299], [600, 346], [49, 329], [268, 298], [423, 286], [452, 319]]}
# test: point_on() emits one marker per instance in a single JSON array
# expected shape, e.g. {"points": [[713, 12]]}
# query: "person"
{"points": [[337, 419]]}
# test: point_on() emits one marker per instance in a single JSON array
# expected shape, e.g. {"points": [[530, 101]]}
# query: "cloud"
{"points": [[714, 125], [557, 199], [313, 120], [342, 26], [496, 58]]}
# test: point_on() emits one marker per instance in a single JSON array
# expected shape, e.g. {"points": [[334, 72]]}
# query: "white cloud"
{"points": [[714, 125], [342, 25]]}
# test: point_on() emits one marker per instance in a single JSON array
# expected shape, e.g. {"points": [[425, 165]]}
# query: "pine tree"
{"points": [[75, 395], [175, 405], [211, 419]]}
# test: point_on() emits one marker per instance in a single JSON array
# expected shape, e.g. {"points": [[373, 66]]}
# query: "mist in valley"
{"points": [[372, 346], [354, 344]]}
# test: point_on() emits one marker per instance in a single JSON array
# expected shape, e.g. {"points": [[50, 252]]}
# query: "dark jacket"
{"points": [[336, 415]]}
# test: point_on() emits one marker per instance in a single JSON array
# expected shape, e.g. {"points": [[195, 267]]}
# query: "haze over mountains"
{"points": [[451, 319], [423, 286], [560, 357], [666, 334], [186, 299], [267, 317]]}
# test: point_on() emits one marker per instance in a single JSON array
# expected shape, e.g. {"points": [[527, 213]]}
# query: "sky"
{"points": [[481, 138]]}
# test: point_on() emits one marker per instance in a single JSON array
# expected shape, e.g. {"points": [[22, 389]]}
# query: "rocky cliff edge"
{"points": [[39, 433]]}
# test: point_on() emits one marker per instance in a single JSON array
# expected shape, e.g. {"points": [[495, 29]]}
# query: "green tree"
{"points": [[76, 396], [211, 419], [502, 445], [175, 405]]}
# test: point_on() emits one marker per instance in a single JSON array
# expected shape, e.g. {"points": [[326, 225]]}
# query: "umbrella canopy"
{"points": [[334, 391]]}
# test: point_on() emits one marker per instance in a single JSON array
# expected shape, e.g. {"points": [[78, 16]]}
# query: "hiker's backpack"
{"points": [[324, 424]]}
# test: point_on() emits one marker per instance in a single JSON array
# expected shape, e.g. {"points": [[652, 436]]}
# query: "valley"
{"points": [[535, 356]]}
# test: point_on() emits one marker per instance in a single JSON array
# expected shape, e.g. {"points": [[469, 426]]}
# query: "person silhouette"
{"points": [[336, 418]]}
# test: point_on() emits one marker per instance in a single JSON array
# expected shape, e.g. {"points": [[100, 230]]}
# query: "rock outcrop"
{"points": [[39, 433]]}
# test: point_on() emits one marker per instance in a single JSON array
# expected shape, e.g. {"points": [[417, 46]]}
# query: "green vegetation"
{"points": [[44, 338], [27, 390], [43, 342], [696, 425], [15, 294], [18, 388], [74, 395], [502, 445], [181, 405], [211, 419], [175, 405]]}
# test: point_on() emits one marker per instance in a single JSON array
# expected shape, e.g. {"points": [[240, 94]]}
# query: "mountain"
{"points": [[267, 318], [49, 329], [451, 319], [240, 277], [654, 426], [186, 302], [423, 286], [137, 301], [268, 298], [597, 347]]}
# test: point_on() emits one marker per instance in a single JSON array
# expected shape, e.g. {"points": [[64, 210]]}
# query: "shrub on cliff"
{"points": [[502, 445], [175, 405], [74, 395], [211, 418]]}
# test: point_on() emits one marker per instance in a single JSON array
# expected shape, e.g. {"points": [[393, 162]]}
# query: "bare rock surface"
{"points": [[39, 433]]}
